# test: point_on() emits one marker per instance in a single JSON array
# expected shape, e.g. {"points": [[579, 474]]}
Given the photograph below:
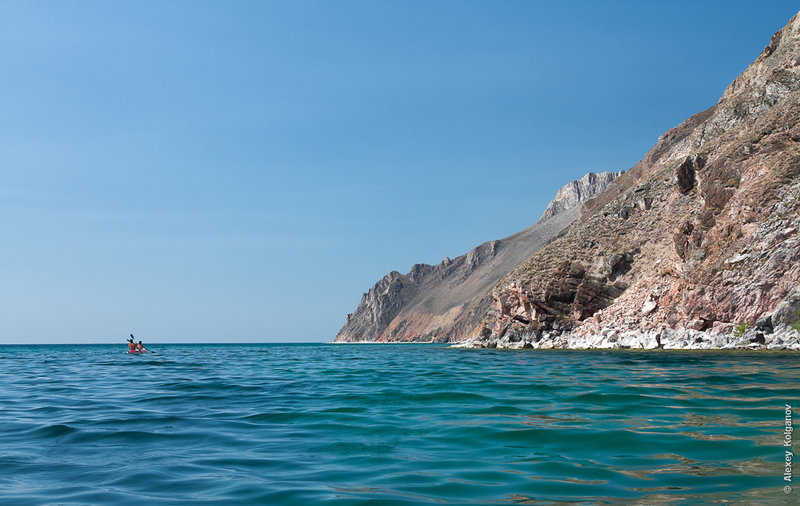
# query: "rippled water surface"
{"points": [[391, 424]]}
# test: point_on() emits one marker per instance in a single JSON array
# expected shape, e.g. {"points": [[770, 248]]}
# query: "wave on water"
{"points": [[316, 424]]}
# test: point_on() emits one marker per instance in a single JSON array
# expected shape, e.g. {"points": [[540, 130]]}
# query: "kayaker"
{"points": [[131, 345], [140, 347]]}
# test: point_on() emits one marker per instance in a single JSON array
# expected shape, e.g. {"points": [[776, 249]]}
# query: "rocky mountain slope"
{"points": [[697, 246], [446, 301]]}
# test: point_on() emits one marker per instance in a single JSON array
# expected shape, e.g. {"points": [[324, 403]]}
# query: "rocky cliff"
{"points": [[447, 301], [696, 246], [577, 192]]}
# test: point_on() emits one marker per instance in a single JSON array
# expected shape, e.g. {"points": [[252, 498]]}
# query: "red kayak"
{"points": [[132, 351]]}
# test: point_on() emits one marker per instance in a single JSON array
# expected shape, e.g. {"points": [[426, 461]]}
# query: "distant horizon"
{"points": [[122, 344], [250, 169]]}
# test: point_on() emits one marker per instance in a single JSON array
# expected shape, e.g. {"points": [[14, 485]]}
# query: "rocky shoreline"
{"points": [[779, 330], [662, 339]]}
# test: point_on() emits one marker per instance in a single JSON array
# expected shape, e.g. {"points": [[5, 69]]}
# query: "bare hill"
{"points": [[446, 301]]}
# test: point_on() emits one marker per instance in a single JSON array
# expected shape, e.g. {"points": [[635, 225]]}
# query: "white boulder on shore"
{"points": [[667, 339]]}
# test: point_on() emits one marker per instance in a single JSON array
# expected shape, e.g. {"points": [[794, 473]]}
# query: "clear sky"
{"points": [[243, 171]]}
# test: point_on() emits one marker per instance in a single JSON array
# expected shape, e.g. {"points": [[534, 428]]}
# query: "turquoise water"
{"points": [[391, 424]]}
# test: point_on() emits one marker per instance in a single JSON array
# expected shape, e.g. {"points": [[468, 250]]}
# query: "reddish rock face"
{"points": [[700, 235], [511, 306]]}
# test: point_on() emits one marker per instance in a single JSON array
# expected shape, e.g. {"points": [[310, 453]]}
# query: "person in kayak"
{"points": [[140, 347], [131, 344]]}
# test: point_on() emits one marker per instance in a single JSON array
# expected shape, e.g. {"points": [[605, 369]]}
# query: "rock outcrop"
{"points": [[577, 192], [697, 246], [447, 301]]}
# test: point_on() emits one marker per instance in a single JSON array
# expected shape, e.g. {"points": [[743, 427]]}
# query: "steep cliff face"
{"points": [[446, 302], [577, 192], [695, 246]]}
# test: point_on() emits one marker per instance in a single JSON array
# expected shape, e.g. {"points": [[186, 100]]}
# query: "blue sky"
{"points": [[243, 171]]}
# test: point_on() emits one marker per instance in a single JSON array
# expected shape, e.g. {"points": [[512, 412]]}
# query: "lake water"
{"points": [[391, 424]]}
